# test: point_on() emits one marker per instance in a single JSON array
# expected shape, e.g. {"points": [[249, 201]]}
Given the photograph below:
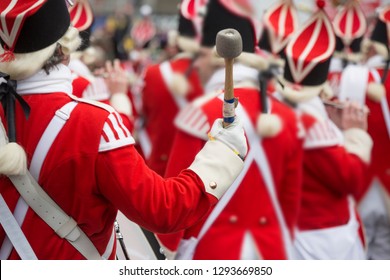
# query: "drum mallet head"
{"points": [[228, 43]]}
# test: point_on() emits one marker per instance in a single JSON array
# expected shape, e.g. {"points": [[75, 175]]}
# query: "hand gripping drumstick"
{"points": [[229, 46]]}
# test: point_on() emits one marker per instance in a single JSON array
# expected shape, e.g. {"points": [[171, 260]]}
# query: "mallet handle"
{"points": [[228, 104]]}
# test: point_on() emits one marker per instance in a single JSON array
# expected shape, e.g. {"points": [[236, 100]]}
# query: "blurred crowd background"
{"points": [[124, 27]]}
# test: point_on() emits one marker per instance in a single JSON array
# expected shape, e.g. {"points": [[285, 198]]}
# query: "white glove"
{"points": [[232, 136]]}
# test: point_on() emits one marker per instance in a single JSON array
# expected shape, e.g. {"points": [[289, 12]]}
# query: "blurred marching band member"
{"points": [[350, 26], [256, 219], [275, 35], [168, 87], [369, 85], [336, 148], [113, 88]]}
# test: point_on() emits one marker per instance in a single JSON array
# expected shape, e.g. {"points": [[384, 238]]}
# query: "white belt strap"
{"points": [[48, 137], [53, 215], [262, 162], [41, 203], [13, 230], [384, 103], [167, 74]]}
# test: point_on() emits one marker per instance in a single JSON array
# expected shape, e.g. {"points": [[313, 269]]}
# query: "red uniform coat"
{"points": [[250, 210], [91, 171], [330, 173], [380, 164], [160, 107]]}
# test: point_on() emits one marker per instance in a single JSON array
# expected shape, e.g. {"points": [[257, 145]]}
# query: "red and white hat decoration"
{"points": [[308, 55], [310, 48], [81, 15], [280, 22], [350, 24]]}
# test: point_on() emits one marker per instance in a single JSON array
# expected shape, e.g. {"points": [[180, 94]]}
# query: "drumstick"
{"points": [[229, 46]]}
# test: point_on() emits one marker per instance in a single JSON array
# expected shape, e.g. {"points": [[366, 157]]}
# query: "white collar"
{"points": [[314, 107], [58, 80], [241, 73]]}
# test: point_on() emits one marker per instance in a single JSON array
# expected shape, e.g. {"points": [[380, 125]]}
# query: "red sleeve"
{"points": [[341, 171], [160, 205], [184, 149]]}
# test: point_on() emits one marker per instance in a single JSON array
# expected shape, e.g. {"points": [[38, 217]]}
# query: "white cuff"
{"points": [[358, 142], [121, 103], [217, 166]]}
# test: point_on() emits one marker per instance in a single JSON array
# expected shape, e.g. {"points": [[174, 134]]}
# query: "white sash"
{"points": [[167, 74]]}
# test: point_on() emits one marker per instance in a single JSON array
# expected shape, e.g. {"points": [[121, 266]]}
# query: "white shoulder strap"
{"points": [[48, 137], [260, 157], [167, 74]]}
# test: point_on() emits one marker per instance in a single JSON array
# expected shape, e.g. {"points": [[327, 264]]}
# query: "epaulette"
{"points": [[322, 134], [193, 120]]}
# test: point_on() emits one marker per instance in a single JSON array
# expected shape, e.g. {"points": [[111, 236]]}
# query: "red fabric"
{"points": [[330, 175], [79, 85], [385, 14], [160, 109], [318, 34], [282, 21], [91, 186], [251, 204]]}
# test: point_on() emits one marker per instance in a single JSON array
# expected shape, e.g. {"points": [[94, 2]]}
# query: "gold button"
{"points": [[263, 220], [233, 219], [213, 185]]}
